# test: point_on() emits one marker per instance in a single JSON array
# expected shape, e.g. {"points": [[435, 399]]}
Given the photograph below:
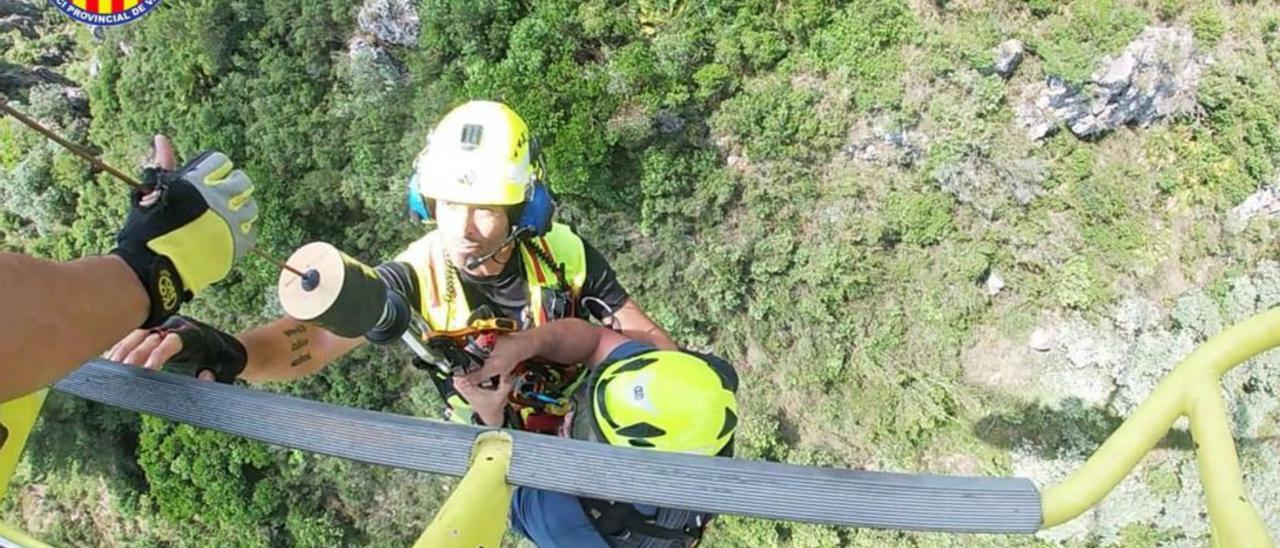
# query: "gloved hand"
{"points": [[204, 348], [186, 229]]}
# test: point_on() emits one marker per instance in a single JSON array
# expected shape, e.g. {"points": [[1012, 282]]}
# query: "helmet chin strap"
{"points": [[475, 262]]}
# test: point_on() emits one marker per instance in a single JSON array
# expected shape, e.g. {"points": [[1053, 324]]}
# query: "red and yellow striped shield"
{"points": [[105, 7]]}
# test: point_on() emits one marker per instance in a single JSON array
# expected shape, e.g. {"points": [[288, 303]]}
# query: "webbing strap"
{"points": [[703, 484]]}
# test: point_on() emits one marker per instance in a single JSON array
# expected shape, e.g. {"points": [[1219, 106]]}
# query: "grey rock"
{"points": [[669, 122], [1153, 78], [1135, 315], [26, 26], [1263, 203], [370, 67], [15, 80], [1008, 57], [883, 142], [1041, 106], [1041, 340], [994, 283], [390, 22], [1267, 280], [985, 183], [1197, 313], [17, 7]]}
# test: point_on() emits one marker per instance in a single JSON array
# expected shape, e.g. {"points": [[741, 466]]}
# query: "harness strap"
{"points": [[622, 520]]}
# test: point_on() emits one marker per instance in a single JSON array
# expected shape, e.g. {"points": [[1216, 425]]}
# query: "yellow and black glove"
{"points": [[185, 230]]}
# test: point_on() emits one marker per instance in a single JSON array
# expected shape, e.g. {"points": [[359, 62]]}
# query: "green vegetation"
{"points": [[1207, 23], [1139, 535], [1083, 32], [708, 150]]}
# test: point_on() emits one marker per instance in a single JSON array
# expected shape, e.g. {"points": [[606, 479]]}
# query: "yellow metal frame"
{"points": [[1192, 390], [17, 417], [15, 537], [475, 516]]}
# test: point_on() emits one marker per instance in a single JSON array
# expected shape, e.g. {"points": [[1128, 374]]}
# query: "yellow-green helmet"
{"points": [[479, 154], [666, 400]]}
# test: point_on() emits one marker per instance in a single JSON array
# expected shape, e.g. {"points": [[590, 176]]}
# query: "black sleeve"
{"points": [[401, 277], [602, 282]]}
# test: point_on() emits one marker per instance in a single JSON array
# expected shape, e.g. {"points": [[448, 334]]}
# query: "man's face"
{"points": [[469, 230]]}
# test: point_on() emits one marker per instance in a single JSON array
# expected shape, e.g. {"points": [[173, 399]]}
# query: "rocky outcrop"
{"points": [[1153, 78], [20, 9], [1263, 203], [370, 66], [26, 26], [16, 80], [986, 184], [1008, 56], [390, 22], [44, 58], [882, 142]]}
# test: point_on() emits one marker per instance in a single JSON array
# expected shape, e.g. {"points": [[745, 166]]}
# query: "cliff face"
{"points": [[33, 49]]}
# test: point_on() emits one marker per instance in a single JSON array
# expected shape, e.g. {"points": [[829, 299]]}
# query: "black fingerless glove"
{"points": [[204, 348]]}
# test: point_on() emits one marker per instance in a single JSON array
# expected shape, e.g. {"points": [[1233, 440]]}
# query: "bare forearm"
{"points": [[573, 341], [58, 315], [638, 326], [287, 349]]}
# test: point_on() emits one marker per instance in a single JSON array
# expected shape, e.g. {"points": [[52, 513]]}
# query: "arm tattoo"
{"points": [[298, 340]]}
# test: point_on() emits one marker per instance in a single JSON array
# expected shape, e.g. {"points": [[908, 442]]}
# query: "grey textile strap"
{"points": [[704, 484]]}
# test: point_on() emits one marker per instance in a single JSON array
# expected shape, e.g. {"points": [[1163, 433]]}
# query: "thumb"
{"points": [[206, 375], [165, 158]]}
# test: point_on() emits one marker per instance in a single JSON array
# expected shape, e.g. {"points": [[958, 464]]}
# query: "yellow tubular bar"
{"points": [[17, 417], [1192, 389], [16, 538], [475, 516], [1233, 521]]}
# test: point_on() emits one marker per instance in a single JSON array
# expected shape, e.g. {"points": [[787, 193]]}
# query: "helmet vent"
{"points": [[633, 365], [471, 134], [730, 423], [641, 430]]}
